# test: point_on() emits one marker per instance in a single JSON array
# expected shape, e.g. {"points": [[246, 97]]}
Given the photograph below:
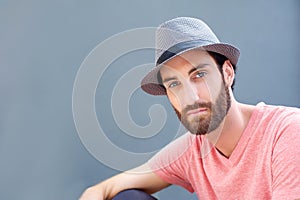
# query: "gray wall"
{"points": [[43, 43]]}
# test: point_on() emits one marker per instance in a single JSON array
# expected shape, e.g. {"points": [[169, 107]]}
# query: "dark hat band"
{"points": [[181, 47]]}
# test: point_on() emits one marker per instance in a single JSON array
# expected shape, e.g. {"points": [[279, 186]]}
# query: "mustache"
{"points": [[207, 105]]}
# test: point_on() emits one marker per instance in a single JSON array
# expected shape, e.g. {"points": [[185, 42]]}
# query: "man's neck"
{"points": [[227, 135]]}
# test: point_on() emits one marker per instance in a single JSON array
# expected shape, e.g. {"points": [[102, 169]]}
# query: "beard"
{"points": [[201, 125]]}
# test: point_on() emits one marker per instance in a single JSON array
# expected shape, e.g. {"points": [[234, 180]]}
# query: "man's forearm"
{"points": [[140, 178]]}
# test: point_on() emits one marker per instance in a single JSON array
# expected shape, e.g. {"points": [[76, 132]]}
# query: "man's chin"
{"points": [[197, 130], [198, 133]]}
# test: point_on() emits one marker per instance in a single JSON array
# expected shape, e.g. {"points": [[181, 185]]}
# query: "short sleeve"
{"points": [[286, 159], [171, 163]]}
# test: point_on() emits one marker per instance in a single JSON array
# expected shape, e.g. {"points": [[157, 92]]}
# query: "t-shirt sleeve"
{"points": [[286, 160], [171, 163]]}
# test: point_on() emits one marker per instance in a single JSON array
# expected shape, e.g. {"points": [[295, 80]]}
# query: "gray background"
{"points": [[43, 43]]}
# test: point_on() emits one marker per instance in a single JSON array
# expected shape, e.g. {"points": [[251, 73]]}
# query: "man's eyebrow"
{"points": [[169, 79], [191, 71], [197, 67]]}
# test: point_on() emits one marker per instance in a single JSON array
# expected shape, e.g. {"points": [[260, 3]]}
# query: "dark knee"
{"points": [[133, 194]]}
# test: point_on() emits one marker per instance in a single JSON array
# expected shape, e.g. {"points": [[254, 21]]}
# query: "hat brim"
{"points": [[150, 82]]}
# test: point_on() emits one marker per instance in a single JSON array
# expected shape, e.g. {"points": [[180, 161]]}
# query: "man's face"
{"points": [[196, 90]]}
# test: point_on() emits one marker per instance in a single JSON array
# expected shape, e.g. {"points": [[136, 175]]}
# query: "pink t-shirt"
{"points": [[264, 165]]}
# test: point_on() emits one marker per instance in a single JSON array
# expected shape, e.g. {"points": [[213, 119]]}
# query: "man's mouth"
{"points": [[197, 111]]}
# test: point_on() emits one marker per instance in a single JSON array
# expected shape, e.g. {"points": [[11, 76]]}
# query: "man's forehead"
{"points": [[189, 59]]}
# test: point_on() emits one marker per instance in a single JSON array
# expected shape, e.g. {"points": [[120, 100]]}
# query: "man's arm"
{"points": [[139, 178]]}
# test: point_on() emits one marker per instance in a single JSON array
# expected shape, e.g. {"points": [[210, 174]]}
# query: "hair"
{"points": [[219, 59]]}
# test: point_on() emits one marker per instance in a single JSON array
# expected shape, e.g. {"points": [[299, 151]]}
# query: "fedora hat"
{"points": [[177, 36]]}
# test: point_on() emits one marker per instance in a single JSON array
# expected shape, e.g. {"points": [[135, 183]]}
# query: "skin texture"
{"points": [[188, 86]]}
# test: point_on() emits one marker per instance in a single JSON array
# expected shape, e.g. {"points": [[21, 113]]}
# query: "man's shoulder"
{"points": [[278, 111], [177, 150], [278, 117], [273, 118], [182, 142]]}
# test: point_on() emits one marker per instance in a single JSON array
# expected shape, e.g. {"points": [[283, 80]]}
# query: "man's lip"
{"points": [[196, 111]]}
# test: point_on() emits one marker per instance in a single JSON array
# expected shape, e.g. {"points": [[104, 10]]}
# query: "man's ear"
{"points": [[228, 73]]}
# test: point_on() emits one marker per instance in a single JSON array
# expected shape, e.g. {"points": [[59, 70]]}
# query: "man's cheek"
{"points": [[174, 100], [213, 87]]}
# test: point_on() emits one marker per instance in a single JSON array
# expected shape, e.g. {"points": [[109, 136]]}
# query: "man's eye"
{"points": [[200, 74], [174, 84]]}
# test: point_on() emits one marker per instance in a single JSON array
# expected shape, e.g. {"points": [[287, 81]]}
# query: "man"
{"points": [[232, 150]]}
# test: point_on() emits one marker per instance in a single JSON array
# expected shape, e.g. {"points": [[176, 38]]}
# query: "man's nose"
{"points": [[190, 95]]}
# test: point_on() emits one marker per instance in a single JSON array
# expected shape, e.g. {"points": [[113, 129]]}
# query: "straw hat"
{"points": [[177, 36]]}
